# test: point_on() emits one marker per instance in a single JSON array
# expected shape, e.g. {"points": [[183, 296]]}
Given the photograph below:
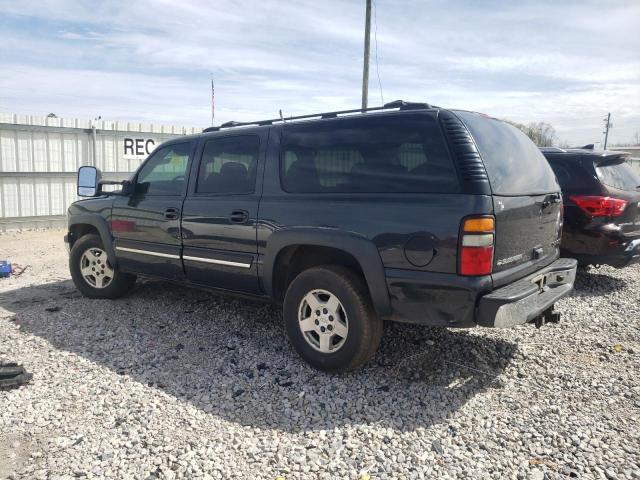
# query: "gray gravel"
{"points": [[177, 383]]}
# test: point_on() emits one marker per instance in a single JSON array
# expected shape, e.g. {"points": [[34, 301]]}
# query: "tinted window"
{"points": [[403, 153], [229, 165], [572, 176], [619, 175], [514, 164], [164, 172]]}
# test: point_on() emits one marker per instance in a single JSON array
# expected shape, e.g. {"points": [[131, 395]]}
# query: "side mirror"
{"points": [[128, 188], [88, 181]]}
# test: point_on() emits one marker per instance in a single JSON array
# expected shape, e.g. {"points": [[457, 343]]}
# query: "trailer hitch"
{"points": [[548, 316]]}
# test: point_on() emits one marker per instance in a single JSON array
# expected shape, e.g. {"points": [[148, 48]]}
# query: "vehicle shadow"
{"points": [[592, 283], [230, 358]]}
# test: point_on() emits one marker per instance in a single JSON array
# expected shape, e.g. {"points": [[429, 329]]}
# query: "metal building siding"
{"points": [[39, 158]]}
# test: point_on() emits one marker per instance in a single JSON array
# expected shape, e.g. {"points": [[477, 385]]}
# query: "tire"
{"points": [[108, 282], [354, 345], [12, 376]]}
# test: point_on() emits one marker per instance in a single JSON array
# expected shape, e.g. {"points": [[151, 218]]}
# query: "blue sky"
{"points": [[566, 63]]}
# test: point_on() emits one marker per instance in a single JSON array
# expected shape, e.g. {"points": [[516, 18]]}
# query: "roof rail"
{"points": [[397, 104]]}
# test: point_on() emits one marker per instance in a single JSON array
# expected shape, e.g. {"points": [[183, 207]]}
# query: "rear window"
{"points": [[514, 164], [619, 175], [571, 175], [390, 154]]}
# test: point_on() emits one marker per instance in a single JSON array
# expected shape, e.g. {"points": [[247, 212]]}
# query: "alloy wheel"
{"points": [[95, 268], [323, 321]]}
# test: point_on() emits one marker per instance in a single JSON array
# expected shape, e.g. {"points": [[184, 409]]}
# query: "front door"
{"points": [[146, 224], [219, 218]]}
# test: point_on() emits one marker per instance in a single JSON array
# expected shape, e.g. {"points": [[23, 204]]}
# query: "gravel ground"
{"points": [[177, 383]]}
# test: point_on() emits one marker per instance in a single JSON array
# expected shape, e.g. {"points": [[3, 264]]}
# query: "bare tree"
{"points": [[541, 133]]}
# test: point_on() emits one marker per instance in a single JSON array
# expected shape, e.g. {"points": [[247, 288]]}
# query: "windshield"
{"points": [[619, 175], [514, 164]]}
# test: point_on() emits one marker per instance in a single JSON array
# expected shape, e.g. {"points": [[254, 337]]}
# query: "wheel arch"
{"points": [[356, 252], [80, 225]]}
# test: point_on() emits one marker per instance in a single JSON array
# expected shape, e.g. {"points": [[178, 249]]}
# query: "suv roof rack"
{"points": [[397, 104]]}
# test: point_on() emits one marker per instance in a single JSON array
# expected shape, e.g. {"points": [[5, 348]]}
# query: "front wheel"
{"points": [[330, 320], [92, 272]]}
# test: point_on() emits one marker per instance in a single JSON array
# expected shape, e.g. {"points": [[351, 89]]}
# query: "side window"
{"points": [[398, 154], [164, 173], [229, 165]]}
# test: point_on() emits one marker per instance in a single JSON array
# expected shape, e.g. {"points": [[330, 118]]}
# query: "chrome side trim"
{"points": [[147, 252], [217, 262]]}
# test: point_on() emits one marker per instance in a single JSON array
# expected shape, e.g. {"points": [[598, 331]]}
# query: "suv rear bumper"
{"points": [[451, 300], [526, 299]]}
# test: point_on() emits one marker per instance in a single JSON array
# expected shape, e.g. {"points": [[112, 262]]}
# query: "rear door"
{"points": [[622, 182], [220, 213], [526, 198]]}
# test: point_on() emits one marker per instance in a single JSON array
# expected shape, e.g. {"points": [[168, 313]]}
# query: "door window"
{"points": [[229, 165], [165, 172]]}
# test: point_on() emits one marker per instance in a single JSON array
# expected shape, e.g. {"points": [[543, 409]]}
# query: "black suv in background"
{"points": [[601, 195], [406, 212]]}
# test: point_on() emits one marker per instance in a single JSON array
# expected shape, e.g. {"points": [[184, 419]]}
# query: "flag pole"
{"points": [[213, 105]]}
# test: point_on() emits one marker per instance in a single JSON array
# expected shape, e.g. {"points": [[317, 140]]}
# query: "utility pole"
{"points": [[607, 127], [365, 68]]}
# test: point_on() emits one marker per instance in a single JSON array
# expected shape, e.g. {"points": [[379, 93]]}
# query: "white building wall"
{"points": [[39, 158]]}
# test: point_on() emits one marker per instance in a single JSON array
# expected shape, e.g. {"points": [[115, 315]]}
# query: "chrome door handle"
{"points": [[172, 213], [239, 216]]}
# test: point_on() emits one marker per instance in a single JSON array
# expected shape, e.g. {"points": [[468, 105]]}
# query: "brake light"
{"points": [[599, 206], [476, 246]]}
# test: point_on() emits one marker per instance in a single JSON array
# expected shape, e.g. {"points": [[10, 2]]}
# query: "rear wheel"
{"points": [[330, 320], [92, 272]]}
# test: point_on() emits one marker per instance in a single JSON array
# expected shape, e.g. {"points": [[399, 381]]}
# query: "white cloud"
{"points": [[567, 64]]}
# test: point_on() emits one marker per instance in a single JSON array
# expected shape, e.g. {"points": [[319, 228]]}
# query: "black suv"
{"points": [[601, 194], [406, 212]]}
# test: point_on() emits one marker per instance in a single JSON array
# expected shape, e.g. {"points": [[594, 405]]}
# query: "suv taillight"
{"points": [[476, 246], [599, 206]]}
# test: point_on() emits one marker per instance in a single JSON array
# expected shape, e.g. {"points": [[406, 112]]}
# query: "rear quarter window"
{"points": [[514, 164], [385, 154], [618, 175]]}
